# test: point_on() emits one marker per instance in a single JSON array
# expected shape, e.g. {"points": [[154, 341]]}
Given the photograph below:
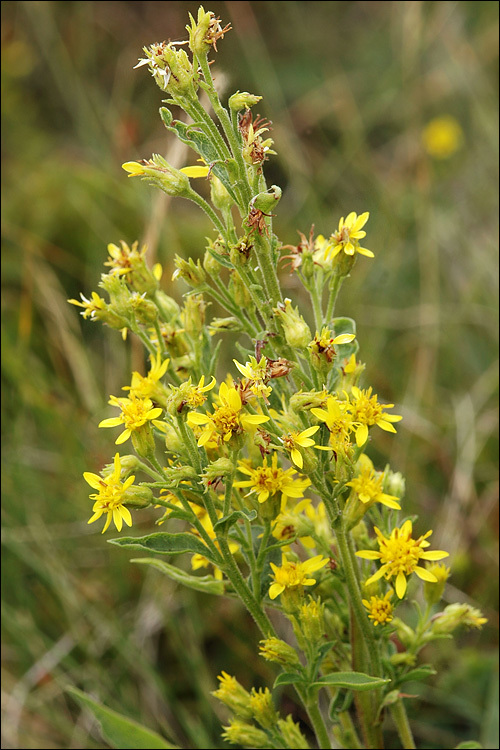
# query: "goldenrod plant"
{"points": [[266, 467]]}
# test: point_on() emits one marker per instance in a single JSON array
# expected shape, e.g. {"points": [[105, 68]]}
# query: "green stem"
{"points": [[267, 268], [317, 721], [207, 208], [228, 489], [335, 285], [315, 293], [352, 740], [227, 127], [398, 713], [240, 586], [351, 576]]}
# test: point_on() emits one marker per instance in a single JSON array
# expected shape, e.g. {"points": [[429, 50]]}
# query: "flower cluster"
{"points": [[261, 473]]}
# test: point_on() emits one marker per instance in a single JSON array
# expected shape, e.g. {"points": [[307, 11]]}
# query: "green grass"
{"points": [[349, 87]]}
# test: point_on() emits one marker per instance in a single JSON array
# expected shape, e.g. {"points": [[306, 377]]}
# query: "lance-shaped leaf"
{"points": [[289, 678], [232, 518], [120, 731], [167, 544], [206, 584], [419, 673], [350, 680]]}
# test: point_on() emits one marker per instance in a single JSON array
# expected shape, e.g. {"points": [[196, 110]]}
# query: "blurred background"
{"points": [[383, 107]]}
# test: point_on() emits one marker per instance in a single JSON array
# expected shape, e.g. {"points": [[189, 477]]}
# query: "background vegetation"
{"points": [[349, 87]]}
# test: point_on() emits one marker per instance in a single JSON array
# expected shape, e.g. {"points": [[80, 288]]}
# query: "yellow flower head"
{"points": [[228, 418], [92, 308], [136, 412], [294, 575], [379, 608], [400, 555], [123, 259], [347, 236], [368, 487], [323, 344], [253, 369], [110, 496], [366, 410], [265, 481]]}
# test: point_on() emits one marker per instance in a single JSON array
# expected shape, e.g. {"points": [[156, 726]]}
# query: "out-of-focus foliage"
{"points": [[350, 88]]}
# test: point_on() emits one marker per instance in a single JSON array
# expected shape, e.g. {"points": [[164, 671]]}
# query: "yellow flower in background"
{"points": [[366, 411], [379, 608], [265, 481], [228, 418], [110, 496], [136, 412], [442, 137], [294, 575], [400, 555]]}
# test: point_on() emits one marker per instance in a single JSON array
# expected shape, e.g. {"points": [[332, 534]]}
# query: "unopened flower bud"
{"points": [[218, 325], [394, 483], [160, 173], [191, 272], [181, 474], [297, 332], [264, 712], [292, 736], [167, 306], [233, 695], [267, 200], [240, 733], [218, 469], [280, 652], [312, 621], [305, 400], [242, 100], [240, 253], [239, 290], [455, 615], [143, 441], [144, 310], [193, 314], [138, 496], [434, 591], [198, 32], [219, 195]]}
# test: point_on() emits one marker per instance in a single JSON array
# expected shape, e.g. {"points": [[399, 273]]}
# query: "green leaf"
{"points": [[350, 680], [420, 673], [289, 678], [220, 258], [118, 730], [343, 325], [206, 584], [232, 518], [470, 745], [194, 137], [167, 544]]}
